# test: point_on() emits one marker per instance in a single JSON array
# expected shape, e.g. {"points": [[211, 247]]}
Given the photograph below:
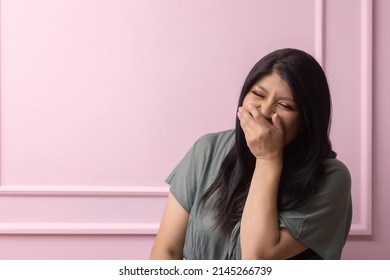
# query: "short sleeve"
{"points": [[199, 167], [324, 222], [182, 180]]}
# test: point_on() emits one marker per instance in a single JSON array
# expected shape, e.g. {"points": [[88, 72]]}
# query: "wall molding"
{"points": [[365, 225], [84, 191], [87, 228], [319, 34], [79, 228]]}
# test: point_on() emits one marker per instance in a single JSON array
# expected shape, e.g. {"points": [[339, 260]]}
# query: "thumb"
{"points": [[277, 122]]}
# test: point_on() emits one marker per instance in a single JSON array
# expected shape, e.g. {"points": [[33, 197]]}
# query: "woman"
{"points": [[270, 189]]}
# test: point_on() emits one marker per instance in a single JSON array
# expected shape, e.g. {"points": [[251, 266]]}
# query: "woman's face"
{"points": [[271, 94]]}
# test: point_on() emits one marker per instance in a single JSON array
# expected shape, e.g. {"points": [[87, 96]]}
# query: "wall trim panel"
{"points": [[365, 227], [319, 31], [93, 228], [363, 209], [107, 194], [79, 228], [84, 191]]}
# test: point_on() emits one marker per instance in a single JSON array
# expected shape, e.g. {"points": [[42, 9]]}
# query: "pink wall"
{"points": [[100, 99]]}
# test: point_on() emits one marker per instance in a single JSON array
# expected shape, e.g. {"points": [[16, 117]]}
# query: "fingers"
{"points": [[244, 116], [277, 122], [255, 112], [255, 117]]}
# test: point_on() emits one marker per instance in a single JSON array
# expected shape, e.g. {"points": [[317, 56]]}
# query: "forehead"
{"points": [[273, 84]]}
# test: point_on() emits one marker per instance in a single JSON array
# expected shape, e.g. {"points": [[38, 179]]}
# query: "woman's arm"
{"points": [[169, 241], [260, 235]]}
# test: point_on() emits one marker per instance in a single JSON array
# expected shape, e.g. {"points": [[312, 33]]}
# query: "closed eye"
{"points": [[258, 94], [286, 106]]}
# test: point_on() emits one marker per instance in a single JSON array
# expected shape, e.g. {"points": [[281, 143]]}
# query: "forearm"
{"points": [[259, 225], [159, 253], [169, 241]]}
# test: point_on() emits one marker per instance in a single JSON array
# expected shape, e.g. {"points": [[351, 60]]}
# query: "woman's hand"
{"points": [[264, 137]]}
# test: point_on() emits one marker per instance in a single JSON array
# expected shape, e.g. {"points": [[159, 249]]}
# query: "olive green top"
{"points": [[322, 224]]}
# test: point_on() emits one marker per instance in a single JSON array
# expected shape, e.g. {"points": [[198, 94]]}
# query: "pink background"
{"points": [[101, 99]]}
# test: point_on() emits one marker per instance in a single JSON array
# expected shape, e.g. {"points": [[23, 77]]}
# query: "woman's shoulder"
{"points": [[216, 136], [333, 165], [337, 176], [211, 140]]}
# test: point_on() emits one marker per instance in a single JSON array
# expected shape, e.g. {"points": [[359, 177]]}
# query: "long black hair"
{"points": [[302, 172]]}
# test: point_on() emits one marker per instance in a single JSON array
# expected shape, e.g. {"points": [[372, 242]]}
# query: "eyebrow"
{"points": [[266, 91]]}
